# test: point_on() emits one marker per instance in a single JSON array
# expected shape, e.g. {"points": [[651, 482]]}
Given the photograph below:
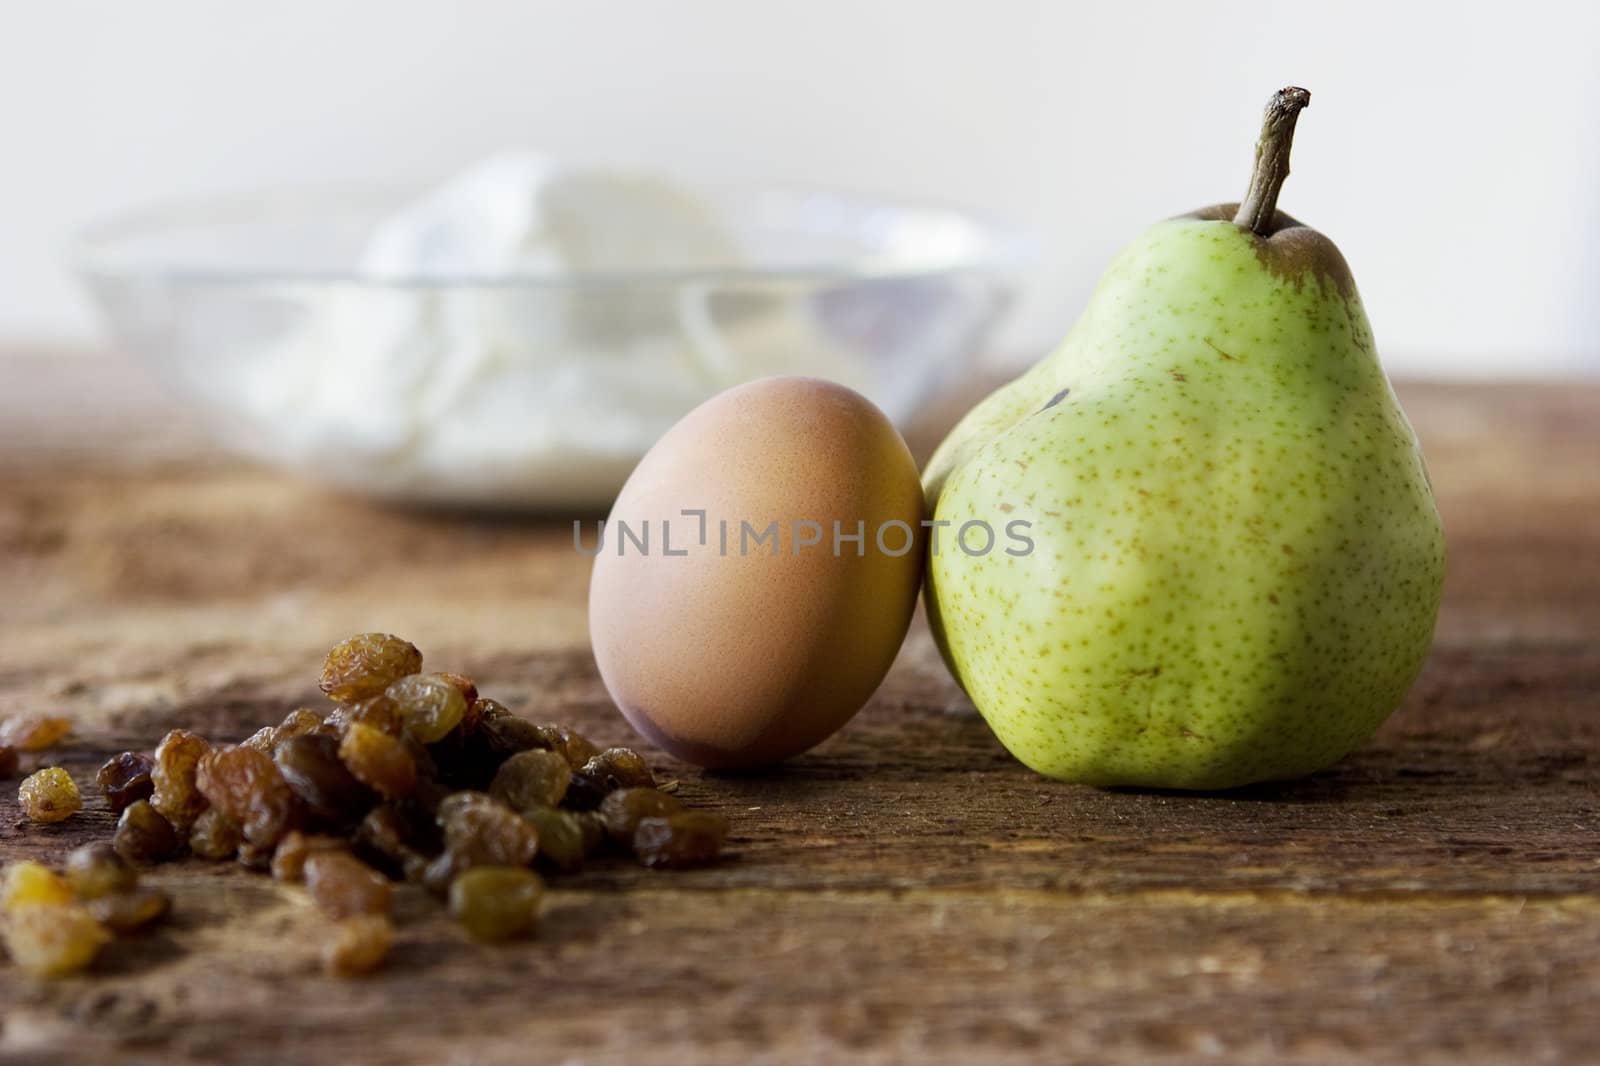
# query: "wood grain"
{"points": [[907, 892]]}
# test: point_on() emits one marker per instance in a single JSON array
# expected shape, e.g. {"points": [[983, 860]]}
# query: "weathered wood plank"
{"points": [[665, 975], [905, 893]]}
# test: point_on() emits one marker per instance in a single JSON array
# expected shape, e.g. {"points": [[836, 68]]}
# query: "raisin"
{"points": [[125, 778], [620, 768], [289, 858], [594, 830], [343, 886], [214, 835], [504, 734], [429, 705], [473, 719], [393, 838], [297, 723], [262, 739], [128, 912], [624, 809], [366, 664], [569, 744], [177, 760], [378, 760], [481, 831], [578, 748], [144, 835], [496, 902], [28, 882], [379, 712], [310, 764], [603, 774], [531, 779], [300, 721], [34, 732], [359, 945], [49, 795], [488, 710], [52, 939], [688, 838], [465, 685], [96, 870], [562, 839], [246, 786], [8, 761]]}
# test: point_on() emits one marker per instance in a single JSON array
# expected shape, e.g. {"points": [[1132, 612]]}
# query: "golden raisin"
{"points": [[531, 779], [263, 739], [465, 685], [379, 712], [429, 704], [343, 886], [297, 723], [50, 795], [594, 830], [144, 835], [562, 841], [511, 734], [482, 831], [27, 882], [128, 912], [378, 760], [359, 945], [96, 870], [496, 902], [624, 809], [289, 860], [620, 768], [688, 838], [125, 778], [578, 748], [310, 764], [34, 732], [366, 664], [503, 733], [396, 837], [177, 761], [474, 716], [215, 835], [606, 772], [246, 786], [52, 939]]}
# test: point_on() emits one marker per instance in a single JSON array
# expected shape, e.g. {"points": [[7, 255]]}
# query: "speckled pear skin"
{"points": [[1237, 560]]}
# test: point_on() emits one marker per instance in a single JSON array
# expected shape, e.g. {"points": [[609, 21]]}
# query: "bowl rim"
{"points": [[1005, 248]]}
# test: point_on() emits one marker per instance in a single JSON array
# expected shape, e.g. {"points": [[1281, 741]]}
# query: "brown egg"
{"points": [[753, 633]]}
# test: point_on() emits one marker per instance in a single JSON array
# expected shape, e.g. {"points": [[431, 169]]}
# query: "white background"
{"points": [[1452, 149]]}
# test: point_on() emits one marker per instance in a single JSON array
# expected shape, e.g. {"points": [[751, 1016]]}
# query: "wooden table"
{"points": [[906, 893]]}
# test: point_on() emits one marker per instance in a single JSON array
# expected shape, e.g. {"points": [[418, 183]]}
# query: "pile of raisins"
{"points": [[410, 776], [56, 922]]}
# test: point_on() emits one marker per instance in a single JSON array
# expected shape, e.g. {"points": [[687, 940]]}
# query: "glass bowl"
{"points": [[538, 388]]}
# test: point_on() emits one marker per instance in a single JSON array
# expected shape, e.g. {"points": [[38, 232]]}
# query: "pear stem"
{"points": [[1260, 201]]}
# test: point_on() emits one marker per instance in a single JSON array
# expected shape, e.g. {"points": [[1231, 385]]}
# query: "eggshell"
{"points": [[727, 654]]}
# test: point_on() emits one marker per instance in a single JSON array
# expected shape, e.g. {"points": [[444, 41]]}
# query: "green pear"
{"points": [[1236, 560]]}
